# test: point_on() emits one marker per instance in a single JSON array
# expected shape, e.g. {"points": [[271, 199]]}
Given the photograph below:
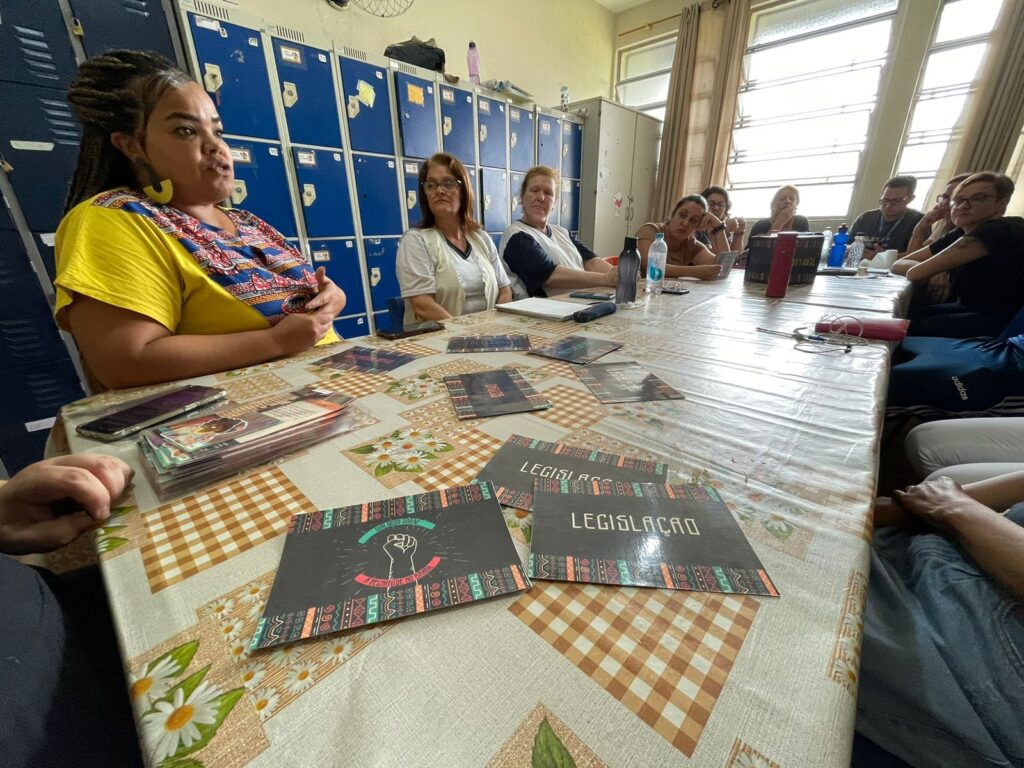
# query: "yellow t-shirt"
{"points": [[124, 250]]}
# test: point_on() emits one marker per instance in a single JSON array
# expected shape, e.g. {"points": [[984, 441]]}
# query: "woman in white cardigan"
{"points": [[446, 265]]}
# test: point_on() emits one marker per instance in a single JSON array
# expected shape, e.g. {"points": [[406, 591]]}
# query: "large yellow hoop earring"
{"points": [[161, 192]]}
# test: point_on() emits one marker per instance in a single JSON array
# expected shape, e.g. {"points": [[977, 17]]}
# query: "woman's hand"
{"points": [[707, 271], [938, 288], [709, 222], [330, 298], [937, 502], [297, 333], [735, 225]]}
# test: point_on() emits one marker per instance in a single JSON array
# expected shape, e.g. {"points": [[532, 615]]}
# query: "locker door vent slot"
{"points": [[403, 67], [289, 34], [209, 9], [140, 7], [353, 53]]}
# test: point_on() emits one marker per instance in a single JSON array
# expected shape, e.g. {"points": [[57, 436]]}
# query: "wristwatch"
{"points": [[718, 229]]}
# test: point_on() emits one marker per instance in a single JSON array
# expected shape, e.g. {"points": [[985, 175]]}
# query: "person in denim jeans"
{"points": [[942, 669]]}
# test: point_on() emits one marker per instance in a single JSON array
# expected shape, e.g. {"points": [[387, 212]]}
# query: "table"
{"points": [[622, 676]]}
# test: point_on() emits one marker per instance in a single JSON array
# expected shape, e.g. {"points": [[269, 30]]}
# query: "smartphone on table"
{"points": [[146, 413], [595, 295]]}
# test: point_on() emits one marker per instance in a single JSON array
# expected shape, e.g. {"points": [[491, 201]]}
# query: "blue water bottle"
{"points": [[837, 254]]}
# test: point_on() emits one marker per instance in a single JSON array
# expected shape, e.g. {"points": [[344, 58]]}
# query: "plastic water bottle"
{"points": [[826, 245], [629, 270], [657, 255], [837, 253], [855, 253], [473, 62]]}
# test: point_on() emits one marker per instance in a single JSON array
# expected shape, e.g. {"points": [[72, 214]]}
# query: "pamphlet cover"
{"points": [[493, 393], [576, 349], [625, 383], [509, 342], [367, 360]]}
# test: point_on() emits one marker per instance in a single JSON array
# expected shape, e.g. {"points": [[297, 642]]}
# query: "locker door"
{"points": [[341, 260], [39, 140], [32, 396], [520, 139], [380, 267], [137, 24], [323, 191], [368, 106], [34, 45], [572, 145], [379, 200], [261, 186], [411, 177], [515, 184], [307, 92], [549, 142], [494, 186], [493, 132], [457, 124], [233, 70], [44, 242], [352, 327], [28, 333], [417, 115], [477, 198], [569, 204]]}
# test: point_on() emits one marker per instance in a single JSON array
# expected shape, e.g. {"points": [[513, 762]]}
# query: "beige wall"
{"points": [[645, 16], [539, 45]]}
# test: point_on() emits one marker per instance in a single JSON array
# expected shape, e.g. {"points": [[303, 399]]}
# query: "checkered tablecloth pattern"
{"points": [[572, 408], [356, 383], [478, 450], [197, 532], [665, 655]]}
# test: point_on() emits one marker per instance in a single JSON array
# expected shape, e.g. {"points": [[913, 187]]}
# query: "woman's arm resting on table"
{"points": [[567, 277], [965, 250], [504, 294], [126, 349], [598, 265], [427, 308]]}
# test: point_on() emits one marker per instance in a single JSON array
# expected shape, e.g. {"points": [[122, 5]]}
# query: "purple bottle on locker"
{"points": [[473, 62]]}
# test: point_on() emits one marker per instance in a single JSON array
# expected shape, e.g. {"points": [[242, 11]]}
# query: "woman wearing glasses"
{"points": [[446, 265], [984, 257]]}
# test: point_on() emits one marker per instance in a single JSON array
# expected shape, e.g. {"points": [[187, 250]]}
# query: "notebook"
{"points": [[546, 308]]}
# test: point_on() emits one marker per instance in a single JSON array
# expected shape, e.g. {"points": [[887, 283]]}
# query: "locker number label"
{"points": [[322, 58], [323, 255], [32, 146], [545, 127], [204, 23], [254, 42], [513, 114], [337, 156], [41, 424], [272, 151], [485, 106], [412, 169], [291, 55], [306, 158], [241, 155], [448, 95]]}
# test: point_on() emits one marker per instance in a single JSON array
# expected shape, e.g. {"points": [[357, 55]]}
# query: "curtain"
{"points": [[997, 109], [701, 107]]}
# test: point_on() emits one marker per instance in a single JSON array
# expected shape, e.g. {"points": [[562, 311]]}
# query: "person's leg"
{"points": [[939, 444], [972, 473], [952, 321]]}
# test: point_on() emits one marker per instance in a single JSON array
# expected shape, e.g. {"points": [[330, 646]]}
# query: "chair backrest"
{"points": [[1013, 328]]}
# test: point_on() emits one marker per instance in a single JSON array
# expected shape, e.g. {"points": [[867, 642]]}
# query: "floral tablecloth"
{"points": [[611, 676]]}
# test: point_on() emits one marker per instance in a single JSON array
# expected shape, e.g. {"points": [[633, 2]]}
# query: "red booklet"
{"points": [[881, 328]]}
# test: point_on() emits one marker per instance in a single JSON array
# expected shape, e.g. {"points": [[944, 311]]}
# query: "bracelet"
{"points": [[718, 229]]}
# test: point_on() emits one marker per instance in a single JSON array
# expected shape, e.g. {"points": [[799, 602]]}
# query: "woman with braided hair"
{"points": [[156, 280]]}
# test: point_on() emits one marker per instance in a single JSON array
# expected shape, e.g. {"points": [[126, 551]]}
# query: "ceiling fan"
{"points": [[382, 8]]}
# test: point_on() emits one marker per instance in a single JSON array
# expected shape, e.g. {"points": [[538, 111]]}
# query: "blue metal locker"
{"points": [[45, 245], [382, 320], [417, 115], [6, 222], [496, 239], [34, 45], [352, 327], [549, 141], [379, 200], [28, 333], [261, 185], [233, 70], [457, 124], [474, 193], [569, 204], [33, 395], [493, 132], [380, 269], [572, 147], [307, 92], [494, 191], [138, 24], [323, 192], [411, 176], [367, 104], [520, 138], [515, 184], [341, 260], [39, 139]]}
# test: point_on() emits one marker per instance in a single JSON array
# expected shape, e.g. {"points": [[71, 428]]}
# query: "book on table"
{"points": [[382, 560], [549, 309], [493, 393], [625, 383], [507, 342], [576, 349]]}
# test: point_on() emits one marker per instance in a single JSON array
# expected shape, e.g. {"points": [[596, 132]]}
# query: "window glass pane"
{"points": [[967, 18], [648, 59], [829, 131], [959, 65], [918, 158], [650, 90], [799, 18], [832, 91], [937, 114], [834, 49], [658, 112], [804, 167], [816, 200]]}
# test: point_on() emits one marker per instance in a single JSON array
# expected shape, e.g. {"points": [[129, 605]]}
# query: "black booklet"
{"points": [[625, 383], [521, 460], [576, 349], [374, 562], [644, 535], [367, 360], [507, 342], [493, 393]]}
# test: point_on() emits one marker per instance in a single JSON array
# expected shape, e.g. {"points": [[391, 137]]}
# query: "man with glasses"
{"points": [[892, 223]]}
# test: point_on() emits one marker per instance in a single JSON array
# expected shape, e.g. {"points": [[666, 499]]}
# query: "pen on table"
{"points": [[792, 335]]}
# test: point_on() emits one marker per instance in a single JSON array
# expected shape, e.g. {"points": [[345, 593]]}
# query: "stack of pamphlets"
{"points": [[185, 454]]}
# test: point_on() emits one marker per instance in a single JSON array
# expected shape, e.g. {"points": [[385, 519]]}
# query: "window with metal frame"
{"points": [[644, 72]]}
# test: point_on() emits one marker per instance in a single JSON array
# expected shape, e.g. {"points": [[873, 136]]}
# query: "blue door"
{"points": [[474, 186], [340, 258], [352, 327], [381, 253], [34, 45], [570, 204], [515, 184], [39, 140], [323, 192], [457, 124], [261, 185], [138, 24], [520, 139], [417, 115], [411, 178], [367, 106], [549, 141], [572, 146], [492, 131], [233, 69], [28, 333], [380, 203], [32, 396], [494, 185], [307, 92]]}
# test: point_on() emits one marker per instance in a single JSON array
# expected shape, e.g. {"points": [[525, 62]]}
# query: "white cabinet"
{"points": [[620, 159]]}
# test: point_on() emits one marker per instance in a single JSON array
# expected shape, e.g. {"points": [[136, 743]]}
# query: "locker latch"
{"points": [[487, 202], [410, 199], [374, 277], [212, 78], [565, 150], [308, 194], [513, 140], [76, 27], [290, 94], [5, 166], [483, 133], [447, 126], [239, 193]]}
